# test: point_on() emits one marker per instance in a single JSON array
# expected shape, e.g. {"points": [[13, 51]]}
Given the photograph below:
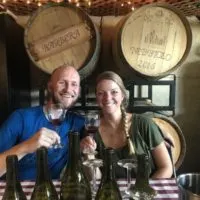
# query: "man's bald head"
{"points": [[63, 68], [64, 86]]}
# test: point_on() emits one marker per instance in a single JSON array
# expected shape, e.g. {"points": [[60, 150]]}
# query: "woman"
{"points": [[124, 131]]}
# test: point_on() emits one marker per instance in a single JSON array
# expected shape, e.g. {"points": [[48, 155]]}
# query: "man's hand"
{"points": [[44, 137]]}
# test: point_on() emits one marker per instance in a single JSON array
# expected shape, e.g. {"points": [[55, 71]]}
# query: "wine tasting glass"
{"points": [[92, 122], [94, 164], [56, 115], [129, 164]]}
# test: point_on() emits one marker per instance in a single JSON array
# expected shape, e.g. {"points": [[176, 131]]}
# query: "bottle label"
{"points": [[43, 192], [12, 195], [109, 190], [42, 196], [75, 192]]}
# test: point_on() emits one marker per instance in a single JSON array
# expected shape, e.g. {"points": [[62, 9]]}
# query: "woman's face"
{"points": [[109, 96]]}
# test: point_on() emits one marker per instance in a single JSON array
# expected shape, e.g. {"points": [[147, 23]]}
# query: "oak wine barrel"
{"points": [[152, 41], [58, 34], [170, 128]]}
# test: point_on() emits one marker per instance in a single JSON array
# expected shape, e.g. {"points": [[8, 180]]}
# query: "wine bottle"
{"points": [[142, 190], [13, 190], [74, 183], [108, 189], [44, 188]]}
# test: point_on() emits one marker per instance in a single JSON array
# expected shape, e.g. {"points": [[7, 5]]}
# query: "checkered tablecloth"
{"points": [[167, 189]]}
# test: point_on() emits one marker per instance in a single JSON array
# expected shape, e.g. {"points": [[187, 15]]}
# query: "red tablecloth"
{"points": [[167, 189]]}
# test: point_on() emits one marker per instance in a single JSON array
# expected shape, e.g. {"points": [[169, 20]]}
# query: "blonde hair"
{"points": [[109, 75]]}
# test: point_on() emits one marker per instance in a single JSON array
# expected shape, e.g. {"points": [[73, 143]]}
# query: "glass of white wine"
{"points": [[56, 115], [129, 164]]}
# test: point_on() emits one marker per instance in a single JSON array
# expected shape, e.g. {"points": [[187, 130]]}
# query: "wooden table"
{"points": [[167, 189]]}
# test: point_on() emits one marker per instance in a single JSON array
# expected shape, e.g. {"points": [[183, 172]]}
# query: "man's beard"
{"points": [[56, 100]]}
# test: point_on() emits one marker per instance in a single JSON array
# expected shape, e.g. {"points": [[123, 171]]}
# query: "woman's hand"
{"points": [[88, 143]]}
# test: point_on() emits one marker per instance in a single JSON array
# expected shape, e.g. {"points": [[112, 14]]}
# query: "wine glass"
{"points": [[56, 115], [92, 122], [94, 164], [129, 164]]}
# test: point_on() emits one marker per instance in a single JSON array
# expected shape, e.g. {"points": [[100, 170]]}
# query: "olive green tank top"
{"points": [[145, 136]]}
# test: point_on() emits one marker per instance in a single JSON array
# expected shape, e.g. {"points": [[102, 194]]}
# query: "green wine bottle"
{"points": [[44, 188], [108, 189], [74, 184], [13, 190], [142, 190]]}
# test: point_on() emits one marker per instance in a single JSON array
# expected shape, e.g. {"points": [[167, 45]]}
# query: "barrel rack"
{"points": [[138, 102]]}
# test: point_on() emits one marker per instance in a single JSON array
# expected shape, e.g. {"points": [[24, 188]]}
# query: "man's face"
{"points": [[64, 86]]}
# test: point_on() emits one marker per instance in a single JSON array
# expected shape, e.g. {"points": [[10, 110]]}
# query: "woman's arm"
{"points": [[162, 161]]}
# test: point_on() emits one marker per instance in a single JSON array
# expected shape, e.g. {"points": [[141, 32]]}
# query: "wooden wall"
{"points": [[14, 68], [4, 90]]}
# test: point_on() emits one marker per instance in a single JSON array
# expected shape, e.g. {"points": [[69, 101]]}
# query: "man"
{"points": [[28, 129]]}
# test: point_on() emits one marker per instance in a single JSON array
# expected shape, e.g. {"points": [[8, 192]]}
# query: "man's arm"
{"points": [[18, 150], [44, 137]]}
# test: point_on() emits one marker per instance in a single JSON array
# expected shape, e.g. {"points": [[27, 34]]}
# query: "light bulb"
{"points": [[39, 3]]}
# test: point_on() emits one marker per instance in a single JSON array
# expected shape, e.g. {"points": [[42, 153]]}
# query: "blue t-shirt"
{"points": [[23, 124]]}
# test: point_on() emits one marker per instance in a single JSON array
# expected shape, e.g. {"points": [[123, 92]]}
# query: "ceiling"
{"points": [[101, 7]]}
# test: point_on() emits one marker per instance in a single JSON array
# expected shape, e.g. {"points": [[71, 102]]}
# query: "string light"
{"points": [[39, 4], [79, 3]]}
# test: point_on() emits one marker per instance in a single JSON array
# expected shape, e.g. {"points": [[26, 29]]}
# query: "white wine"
{"points": [[13, 190], [74, 184], [127, 163], [108, 189], [44, 188], [93, 163]]}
